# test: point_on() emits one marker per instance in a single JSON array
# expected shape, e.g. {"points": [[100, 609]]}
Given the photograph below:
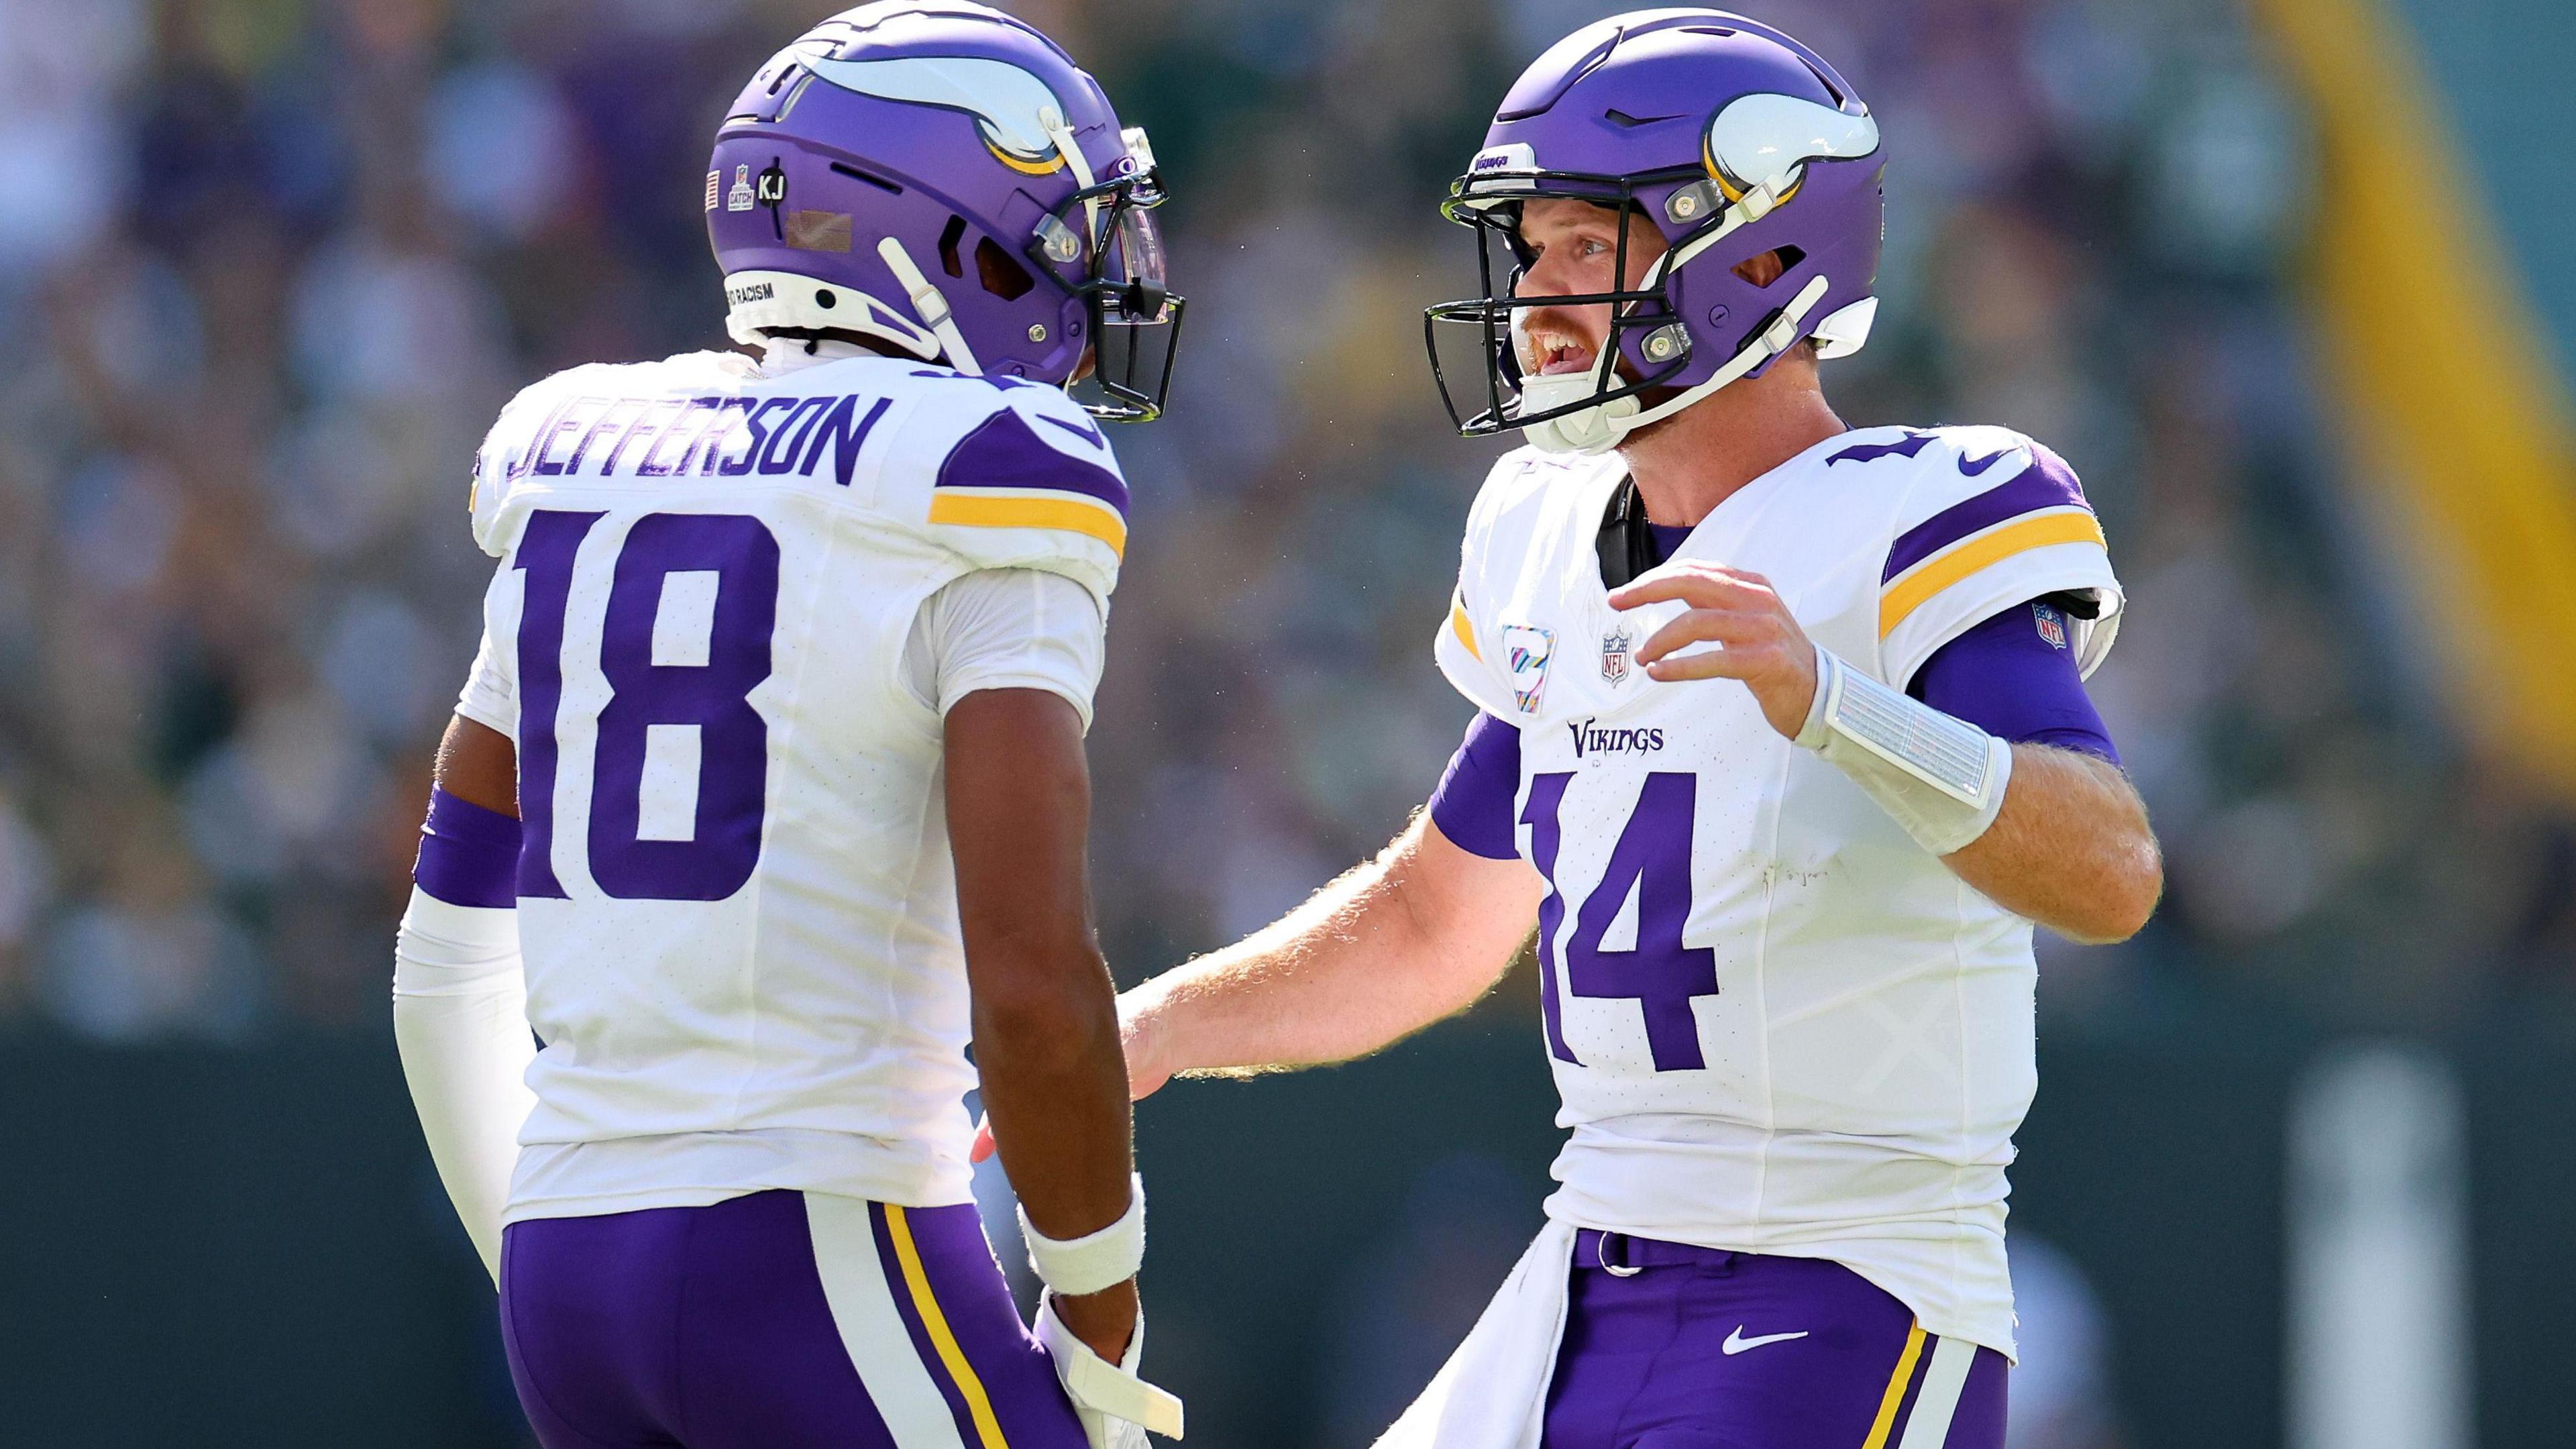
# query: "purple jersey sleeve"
{"points": [[2015, 676], [1473, 805]]}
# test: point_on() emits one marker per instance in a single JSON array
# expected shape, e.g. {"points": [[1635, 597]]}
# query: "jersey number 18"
{"points": [[712, 697]]}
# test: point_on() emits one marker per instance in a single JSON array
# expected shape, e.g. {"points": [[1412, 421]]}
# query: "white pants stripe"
{"points": [[855, 1285], [1929, 1425]]}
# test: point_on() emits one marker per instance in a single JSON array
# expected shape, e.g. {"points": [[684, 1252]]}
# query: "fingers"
{"points": [[1735, 609], [1700, 585], [1716, 664], [1751, 645]]}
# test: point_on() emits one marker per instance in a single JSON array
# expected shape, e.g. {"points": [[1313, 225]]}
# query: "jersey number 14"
{"points": [[1652, 861], [713, 698]]}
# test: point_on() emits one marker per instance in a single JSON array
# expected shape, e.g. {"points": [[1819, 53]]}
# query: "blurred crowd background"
{"points": [[269, 267]]}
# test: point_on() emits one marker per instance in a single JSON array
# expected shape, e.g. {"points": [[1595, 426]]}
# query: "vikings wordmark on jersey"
{"points": [[1779, 1025], [735, 896]]}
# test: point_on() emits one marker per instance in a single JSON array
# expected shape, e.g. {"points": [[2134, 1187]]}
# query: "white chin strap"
{"points": [[931, 303], [1600, 428]]}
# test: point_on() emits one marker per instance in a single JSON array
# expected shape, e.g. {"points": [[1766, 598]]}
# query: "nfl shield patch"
{"points": [[1527, 650], [2052, 625], [1616, 648]]}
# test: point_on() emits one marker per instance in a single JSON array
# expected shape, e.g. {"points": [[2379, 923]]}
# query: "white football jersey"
{"points": [[1778, 1025], [736, 901]]}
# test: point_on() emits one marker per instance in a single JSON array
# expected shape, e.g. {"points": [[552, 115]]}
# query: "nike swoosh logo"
{"points": [[1737, 1343], [1971, 467]]}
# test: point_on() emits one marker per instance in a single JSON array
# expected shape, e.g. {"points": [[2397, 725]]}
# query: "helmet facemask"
{"points": [[1103, 244], [1641, 318]]}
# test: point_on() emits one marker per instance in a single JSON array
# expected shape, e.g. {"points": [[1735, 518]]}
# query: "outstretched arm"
{"points": [[1392, 946], [1045, 1018]]}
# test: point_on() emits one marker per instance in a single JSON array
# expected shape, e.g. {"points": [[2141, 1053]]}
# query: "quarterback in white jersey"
{"points": [[768, 784], [1782, 746]]}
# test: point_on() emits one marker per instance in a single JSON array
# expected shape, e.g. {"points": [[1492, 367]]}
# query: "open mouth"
{"points": [[1556, 353]]}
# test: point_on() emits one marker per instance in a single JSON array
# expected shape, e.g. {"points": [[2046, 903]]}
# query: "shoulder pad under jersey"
{"points": [[1009, 474], [1988, 519]]}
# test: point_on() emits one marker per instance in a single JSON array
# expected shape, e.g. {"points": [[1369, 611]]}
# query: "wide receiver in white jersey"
{"points": [[771, 768], [1783, 744]]}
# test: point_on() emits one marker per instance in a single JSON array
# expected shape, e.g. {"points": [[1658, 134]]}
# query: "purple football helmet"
{"points": [[942, 177], [1733, 140]]}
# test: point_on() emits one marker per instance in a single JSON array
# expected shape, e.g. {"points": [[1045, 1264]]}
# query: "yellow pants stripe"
{"points": [[979, 1405], [1895, 1394]]}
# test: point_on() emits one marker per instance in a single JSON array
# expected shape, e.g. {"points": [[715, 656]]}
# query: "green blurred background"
{"points": [[2291, 282]]}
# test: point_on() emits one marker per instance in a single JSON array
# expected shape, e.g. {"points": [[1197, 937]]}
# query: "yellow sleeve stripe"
{"points": [[1895, 1395], [1915, 587], [979, 1405], [1092, 520], [1465, 631]]}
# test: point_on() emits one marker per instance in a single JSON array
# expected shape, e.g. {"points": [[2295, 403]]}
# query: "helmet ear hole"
{"points": [[948, 239], [1002, 276], [1770, 266]]}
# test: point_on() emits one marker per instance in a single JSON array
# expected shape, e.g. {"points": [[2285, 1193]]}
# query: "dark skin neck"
{"points": [[1691, 462]]}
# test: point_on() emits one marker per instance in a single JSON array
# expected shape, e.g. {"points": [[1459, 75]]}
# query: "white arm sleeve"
{"points": [[1006, 629], [461, 1023]]}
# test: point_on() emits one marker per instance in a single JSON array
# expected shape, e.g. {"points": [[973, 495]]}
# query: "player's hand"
{"points": [[1114, 1406], [1758, 639], [1145, 1072]]}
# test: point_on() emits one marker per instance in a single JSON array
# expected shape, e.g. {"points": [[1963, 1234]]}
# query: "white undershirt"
{"points": [[1006, 629]]}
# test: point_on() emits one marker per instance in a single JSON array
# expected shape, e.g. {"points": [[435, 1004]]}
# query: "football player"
{"points": [[1782, 743], [771, 773]]}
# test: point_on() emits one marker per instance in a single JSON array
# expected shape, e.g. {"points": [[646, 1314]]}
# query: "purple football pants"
{"points": [[1691, 1348], [778, 1320]]}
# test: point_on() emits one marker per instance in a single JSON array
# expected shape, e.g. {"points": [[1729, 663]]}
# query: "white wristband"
{"points": [[1087, 1264], [1937, 775]]}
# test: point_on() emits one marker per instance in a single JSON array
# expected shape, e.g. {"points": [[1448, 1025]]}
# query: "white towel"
{"points": [[1492, 1394]]}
